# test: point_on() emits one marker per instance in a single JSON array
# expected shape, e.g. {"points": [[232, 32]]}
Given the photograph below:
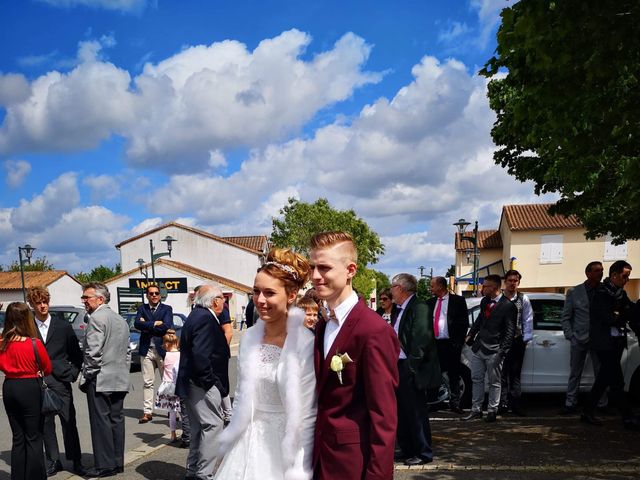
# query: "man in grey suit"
{"points": [[105, 379], [575, 323]]}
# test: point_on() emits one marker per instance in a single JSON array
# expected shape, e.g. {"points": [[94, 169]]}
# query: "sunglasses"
{"points": [[153, 294], [384, 299]]}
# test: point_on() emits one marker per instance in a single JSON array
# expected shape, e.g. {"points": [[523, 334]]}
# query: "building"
{"points": [[64, 289], [197, 257], [550, 251]]}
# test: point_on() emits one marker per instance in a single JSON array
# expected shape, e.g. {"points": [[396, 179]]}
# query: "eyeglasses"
{"points": [[87, 297], [153, 294], [384, 299]]}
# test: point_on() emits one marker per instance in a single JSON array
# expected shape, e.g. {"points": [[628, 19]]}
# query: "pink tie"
{"points": [[436, 318]]}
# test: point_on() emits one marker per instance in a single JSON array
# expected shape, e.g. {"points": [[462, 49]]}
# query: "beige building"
{"points": [[549, 251]]}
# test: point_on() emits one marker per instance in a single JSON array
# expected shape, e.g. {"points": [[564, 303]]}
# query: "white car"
{"points": [[546, 360]]}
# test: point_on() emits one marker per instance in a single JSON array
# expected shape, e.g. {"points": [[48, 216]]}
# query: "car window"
{"points": [[66, 316], [473, 314], [547, 314]]}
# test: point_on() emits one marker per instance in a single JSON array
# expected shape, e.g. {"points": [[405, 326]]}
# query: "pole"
{"points": [[153, 268], [24, 292], [475, 259]]}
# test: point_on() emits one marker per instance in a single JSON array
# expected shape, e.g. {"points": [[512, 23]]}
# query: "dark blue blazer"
{"points": [[204, 354], [148, 333]]}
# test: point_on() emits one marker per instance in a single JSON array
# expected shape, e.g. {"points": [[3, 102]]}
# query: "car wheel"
{"points": [[436, 396], [465, 387]]}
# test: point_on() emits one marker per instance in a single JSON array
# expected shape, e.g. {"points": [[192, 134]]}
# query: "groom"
{"points": [[357, 417]]}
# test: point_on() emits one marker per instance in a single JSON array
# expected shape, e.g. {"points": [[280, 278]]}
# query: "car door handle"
{"points": [[546, 343]]}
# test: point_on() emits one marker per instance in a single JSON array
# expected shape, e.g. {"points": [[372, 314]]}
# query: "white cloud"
{"points": [[145, 225], [58, 198], [453, 31], [406, 252], [14, 89], [17, 171], [203, 99], [122, 5], [103, 187], [489, 16]]}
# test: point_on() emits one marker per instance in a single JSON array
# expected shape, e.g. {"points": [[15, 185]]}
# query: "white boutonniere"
{"points": [[338, 363]]}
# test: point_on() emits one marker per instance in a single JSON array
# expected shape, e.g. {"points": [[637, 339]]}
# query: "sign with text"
{"points": [[173, 285]]}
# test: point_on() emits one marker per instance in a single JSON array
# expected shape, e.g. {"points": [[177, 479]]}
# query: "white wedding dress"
{"points": [[257, 455]]}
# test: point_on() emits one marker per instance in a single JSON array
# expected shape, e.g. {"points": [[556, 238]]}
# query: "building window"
{"points": [[551, 249], [614, 252]]}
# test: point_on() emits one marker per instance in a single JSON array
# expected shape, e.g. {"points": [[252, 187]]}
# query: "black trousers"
{"points": [[610, 375], [68, 423], [22, 399], [449, 358], [107, 426], [511, 372], [414, 430]]}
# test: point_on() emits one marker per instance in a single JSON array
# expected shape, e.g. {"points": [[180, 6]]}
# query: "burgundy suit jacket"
{"points": [[356, 424]]}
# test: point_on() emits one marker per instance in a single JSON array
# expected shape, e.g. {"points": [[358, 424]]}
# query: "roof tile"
{"points": [[13, 280], [537, 217]]}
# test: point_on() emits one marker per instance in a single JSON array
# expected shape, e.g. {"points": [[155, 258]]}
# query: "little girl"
{"points": [[166, 398]]}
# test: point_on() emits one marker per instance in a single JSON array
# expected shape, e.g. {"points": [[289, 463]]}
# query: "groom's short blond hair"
{"points": [[324, 240]]}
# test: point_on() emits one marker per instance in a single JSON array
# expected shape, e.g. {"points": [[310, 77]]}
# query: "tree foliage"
{"points": [[568, 109], [423, 291], [99, 274], [40, 264], [299, 221]]}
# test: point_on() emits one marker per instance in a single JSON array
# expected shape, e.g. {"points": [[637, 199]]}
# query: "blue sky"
{"points": [[120, 115]]}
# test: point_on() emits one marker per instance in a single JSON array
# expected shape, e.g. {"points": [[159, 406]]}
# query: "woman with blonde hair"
{"points": [[23, 359], [271, 431]]}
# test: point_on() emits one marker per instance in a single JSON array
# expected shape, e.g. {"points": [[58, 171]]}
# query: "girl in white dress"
{"points": [[270, 436], [166, 399]]}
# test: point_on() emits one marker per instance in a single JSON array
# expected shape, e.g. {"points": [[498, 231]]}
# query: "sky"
{"points": [[119, 115]]}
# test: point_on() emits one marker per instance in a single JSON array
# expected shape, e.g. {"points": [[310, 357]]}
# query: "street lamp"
{"points": [[155, 256], [462, 226], [28, 251], [144, 272]]}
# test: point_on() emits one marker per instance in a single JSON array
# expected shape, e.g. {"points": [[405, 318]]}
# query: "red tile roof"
{"points": [[486, 239], [13, 281], [536, 217], [252, 242]]}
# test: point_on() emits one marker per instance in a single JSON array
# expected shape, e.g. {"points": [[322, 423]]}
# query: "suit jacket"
{"points": [[415, 333], [356, 424], [64, 351], [457, 317], [606, 312], [494, 334], [204, 354], [575, 314], [144, 322], [106, 351]]}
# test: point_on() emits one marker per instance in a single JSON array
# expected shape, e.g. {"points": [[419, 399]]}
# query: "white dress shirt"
{"points": [[43, 327], [443, 327], [396, 327], [332, 329]]}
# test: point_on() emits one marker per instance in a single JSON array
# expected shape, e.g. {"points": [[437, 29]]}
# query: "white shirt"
{"points": [[443, 327], [332, 329], [396, 327], [43, 327]]}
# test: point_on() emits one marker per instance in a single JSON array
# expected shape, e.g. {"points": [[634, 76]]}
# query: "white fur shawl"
{"points": [[296, 384]]}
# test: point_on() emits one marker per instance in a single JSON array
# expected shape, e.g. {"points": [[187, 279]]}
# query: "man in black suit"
{"points": [[66, 358], [610, 312], [153, 320], [450, 319], [492, 334], [203, 378]]}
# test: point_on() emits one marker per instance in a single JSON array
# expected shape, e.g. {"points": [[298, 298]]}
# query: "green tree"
{"points": [[99, 274], [382, 280], [299, 221], [568, 108], [451, 272], [40, 264], [424, 288]]}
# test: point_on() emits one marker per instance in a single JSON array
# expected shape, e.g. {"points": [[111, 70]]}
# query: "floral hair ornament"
{"points": [[285, 268]]}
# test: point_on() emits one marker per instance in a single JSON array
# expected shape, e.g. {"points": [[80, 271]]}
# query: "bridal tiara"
{"points": [[285, 268]]}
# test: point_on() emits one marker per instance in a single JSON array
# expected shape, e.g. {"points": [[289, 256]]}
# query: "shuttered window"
{"points": [[551, 249], [614, 252]]}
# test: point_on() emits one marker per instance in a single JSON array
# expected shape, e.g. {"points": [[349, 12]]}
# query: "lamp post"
{"points": [[155, 256], [28, 251], [462, 226]]}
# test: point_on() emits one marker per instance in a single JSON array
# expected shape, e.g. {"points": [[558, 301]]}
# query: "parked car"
{"points": [[134, 335], [546, 361], [76, 316]]}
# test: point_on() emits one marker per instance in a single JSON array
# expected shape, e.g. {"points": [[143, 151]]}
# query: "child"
{"points": [[310, 308], [166, 398]]}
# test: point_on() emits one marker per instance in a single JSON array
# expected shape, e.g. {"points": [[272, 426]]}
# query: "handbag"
{"points": [[52, 404]]}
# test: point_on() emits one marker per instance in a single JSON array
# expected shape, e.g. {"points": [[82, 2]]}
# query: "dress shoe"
{"points": [[120, 469], [456, 409], [414, 461], [79, 469], [590, 419], [569, 410], [398, 456], [183, 444], [491, 417], [54, 468], [101, 472], [503, 408], [147, 417], [472, 416]]}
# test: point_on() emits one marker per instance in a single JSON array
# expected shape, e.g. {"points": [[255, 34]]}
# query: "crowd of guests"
{"points": [[326, 387]]}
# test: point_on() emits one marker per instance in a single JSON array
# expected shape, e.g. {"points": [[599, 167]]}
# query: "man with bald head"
{"points": [[203, 378]]}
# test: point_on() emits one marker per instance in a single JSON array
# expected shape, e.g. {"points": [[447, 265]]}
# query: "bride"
{"points": [[270, 436]]}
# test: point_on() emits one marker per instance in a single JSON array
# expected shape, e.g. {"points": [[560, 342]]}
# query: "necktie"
{"points": [[332, 315], [489, 308], [436, 318], [153, 310]]}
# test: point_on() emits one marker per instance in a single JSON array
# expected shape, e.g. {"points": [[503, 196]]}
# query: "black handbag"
{"points": [[51, 401]]}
